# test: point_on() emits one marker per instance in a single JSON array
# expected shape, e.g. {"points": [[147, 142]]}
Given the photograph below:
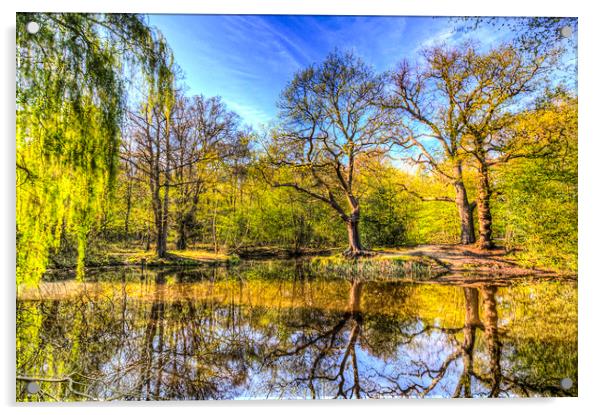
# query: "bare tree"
{"points": [[174, 153], [429, 113], [497, 85], [149, 154], [458, 99], [204, 133], [330, 125]]}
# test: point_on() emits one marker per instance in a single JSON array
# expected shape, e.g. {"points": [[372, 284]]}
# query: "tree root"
{"points": [[354, 254]]}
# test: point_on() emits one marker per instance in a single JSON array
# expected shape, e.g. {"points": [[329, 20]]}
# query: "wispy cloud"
{"points": [[248, 60], [249, 112]]}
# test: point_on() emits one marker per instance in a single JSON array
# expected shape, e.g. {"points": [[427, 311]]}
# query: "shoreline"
{"points": [[451, 264]]}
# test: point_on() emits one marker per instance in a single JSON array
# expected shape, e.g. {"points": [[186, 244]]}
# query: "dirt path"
{"points": [[467, 262]]}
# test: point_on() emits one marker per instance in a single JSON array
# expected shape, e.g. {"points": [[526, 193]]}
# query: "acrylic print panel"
{"points": [[295, 207]]}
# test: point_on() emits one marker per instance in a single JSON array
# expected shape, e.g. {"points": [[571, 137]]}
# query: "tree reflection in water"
{"points": [[274, 331]]}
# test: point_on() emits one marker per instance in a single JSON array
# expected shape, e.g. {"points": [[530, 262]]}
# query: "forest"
{"points": [[116, 162]]}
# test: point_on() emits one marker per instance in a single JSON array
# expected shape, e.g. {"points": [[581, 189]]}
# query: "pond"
{"points": [[278, 330]]}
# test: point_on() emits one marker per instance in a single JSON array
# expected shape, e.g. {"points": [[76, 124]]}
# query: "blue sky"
{"points": [[248, 60]]}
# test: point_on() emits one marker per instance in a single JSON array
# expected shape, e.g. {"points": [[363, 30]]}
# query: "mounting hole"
{"points": [[33, 388], [566, 31], [566, 383], [32, 27]]}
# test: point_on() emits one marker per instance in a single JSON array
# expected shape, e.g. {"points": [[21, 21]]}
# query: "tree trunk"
{"points": [[355, 246], [214, 227], [161, 241], [471, 299], [355, 296], [471, 322], [465, 209], [164, 217], [494, 348], [162, 246], [160, 223], [181, 243], [147, 236], [483, 208], [186, 221], [128, 209]]}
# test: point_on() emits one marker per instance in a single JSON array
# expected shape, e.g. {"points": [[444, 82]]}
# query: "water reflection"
{"points": [[274, 330]]}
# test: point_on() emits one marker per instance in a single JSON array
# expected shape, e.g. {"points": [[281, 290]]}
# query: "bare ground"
{"points": [[468, 264]]}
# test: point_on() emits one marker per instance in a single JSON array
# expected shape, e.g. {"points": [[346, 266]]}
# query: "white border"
{"points": [[590, 202], [340, 7]]}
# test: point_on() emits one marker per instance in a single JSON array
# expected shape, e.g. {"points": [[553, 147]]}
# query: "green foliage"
{"points": [[70, 100], [430, 221], [544, 325], [537, 206], [255, 214], [378, 267], [384, 217], [227, 191]]}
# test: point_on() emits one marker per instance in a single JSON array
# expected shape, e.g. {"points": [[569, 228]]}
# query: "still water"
{"points": [[275, 330]]}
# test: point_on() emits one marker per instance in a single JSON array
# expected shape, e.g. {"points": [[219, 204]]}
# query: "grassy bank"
{"points": [[117, 255], [421, 262], [381, 266]]}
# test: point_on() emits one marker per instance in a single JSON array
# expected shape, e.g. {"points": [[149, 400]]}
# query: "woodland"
{"points": [[116, 162]]}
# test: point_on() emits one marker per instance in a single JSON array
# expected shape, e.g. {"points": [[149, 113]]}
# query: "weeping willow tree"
{"points": [[72, 83]]}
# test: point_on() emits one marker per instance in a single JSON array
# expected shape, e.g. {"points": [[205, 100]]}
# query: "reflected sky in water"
{"points": [[276, 330]]}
